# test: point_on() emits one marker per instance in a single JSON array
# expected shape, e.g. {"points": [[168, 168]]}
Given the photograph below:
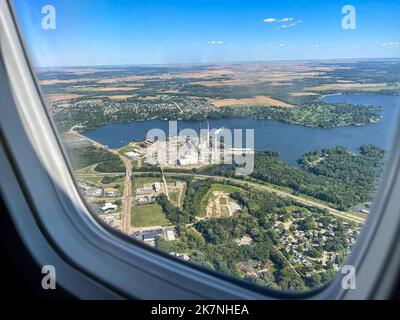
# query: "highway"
{"points": [[127, 198], [335, 212]]}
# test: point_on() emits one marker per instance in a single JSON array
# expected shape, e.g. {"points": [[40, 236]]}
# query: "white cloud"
{"points": [[215, 43], [392, 44], [271, 20], [316, 45], [290, 25]]}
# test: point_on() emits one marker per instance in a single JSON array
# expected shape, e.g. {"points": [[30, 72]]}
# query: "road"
{"points": [[165, 184], [127, 198], [99, 145], [335, 212]]}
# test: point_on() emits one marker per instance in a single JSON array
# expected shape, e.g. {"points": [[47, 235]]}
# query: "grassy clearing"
{"points": [[150, 215], [87, 170], [126, 149], [139, 182], [90, 180], [215, 187], [174, 197]]}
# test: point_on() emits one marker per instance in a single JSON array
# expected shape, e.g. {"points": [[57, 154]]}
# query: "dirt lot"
{"points": [[62, 97], [258, 100]]}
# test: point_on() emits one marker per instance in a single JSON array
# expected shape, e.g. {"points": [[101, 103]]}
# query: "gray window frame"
{"points": [[93, 261]]}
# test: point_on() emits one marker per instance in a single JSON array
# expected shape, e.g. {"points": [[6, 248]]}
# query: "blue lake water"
{"points": [[291, 141]]}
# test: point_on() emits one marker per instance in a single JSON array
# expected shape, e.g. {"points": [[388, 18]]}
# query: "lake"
{"points": [[291, 141]]}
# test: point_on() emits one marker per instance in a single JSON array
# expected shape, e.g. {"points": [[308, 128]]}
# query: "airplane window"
{"points": [[247, 137]]}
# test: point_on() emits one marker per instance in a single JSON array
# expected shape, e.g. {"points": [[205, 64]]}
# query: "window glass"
{"points": [[244, 136]]}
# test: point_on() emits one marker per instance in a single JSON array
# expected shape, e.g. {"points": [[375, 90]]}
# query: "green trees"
{"points": [[358, 172], [174, 214], [323, 115], [289, 280], [109, 179], [113, 166], [335, 175], [83, 157], [307, 224], [312, 114], [195, 192], [225, 229]]}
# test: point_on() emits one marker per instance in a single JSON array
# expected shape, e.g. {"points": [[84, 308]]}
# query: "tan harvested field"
{"points": [[59, 81], [134, 78], [118, 88], [256, 101], [302, 94], [54, 97], [217, 72], [120, 97], [73, 71], [349, 86], [167, 76], [106, 89]]}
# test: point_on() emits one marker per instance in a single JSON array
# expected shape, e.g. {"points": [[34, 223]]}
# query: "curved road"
{"points": [[127, 197]]}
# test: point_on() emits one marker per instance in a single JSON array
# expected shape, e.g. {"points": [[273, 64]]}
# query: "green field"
{"points": [[90, 180], [140, 182], [148, 216], [215, 187], [87, 170], [174, 197]]}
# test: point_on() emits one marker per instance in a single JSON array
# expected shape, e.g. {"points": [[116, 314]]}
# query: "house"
{"points": [[183, 256], [110, 192], [244, 241], [157, 186], [246, 267], [109, 207], [169, 235], [91, 191], [151, 235], [265, 265], [144, 191]]}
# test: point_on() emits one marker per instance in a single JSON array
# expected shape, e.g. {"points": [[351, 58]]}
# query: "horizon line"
{"points": [[213, 62]]}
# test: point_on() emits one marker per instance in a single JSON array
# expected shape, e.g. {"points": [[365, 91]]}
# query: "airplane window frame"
{"points": [[113, 263]]}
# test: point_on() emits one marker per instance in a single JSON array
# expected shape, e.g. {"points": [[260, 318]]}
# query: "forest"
{"points": [[336, 176], [358, 171], [313, 114], [195, 192], [82, 157]]}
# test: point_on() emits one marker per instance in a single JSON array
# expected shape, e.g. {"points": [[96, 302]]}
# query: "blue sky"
{"points": [[111, 32]]}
